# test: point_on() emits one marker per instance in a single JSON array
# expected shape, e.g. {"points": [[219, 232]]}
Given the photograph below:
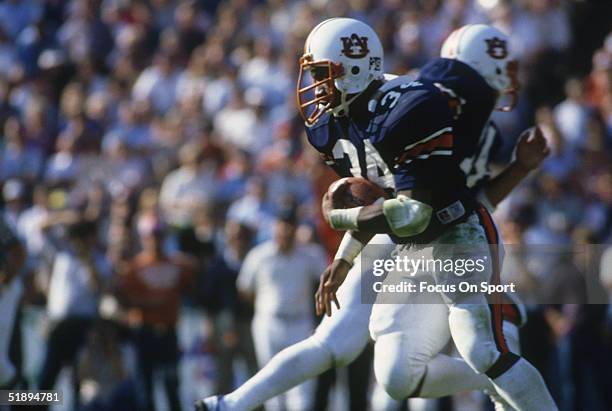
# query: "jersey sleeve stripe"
{"points": [[427, 155], [429, 137], [442, 143]]}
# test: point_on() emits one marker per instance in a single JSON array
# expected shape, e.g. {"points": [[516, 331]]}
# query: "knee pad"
{"points": [[396, 370], [472, 333]]}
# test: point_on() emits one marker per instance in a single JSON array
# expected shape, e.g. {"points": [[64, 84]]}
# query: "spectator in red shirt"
{"points": [[152, 288]]}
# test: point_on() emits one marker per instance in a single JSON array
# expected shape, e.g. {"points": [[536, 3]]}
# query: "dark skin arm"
{"points": [[371, 221], [531, 150], [333, 277]]}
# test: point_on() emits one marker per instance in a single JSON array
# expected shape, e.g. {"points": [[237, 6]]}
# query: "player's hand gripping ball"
{"points": [[351, 192]]}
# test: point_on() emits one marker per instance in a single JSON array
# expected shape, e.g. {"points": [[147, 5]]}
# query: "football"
{"points": [[355, 192]]}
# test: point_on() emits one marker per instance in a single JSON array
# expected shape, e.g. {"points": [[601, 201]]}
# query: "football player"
{"points": [[339, 339], [411, 127]]}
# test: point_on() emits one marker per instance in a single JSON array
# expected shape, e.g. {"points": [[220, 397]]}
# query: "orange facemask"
{"points": [[324, 94]]}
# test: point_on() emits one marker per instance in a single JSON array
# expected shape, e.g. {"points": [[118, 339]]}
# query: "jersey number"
{"points": [[375, 166], [476, 167]]}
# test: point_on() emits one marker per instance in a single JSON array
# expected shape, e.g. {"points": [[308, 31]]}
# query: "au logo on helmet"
{"points": [[497, 48], [355, 47]]}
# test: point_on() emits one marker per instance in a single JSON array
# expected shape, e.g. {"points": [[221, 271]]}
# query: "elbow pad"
{"points": [[407, 217]]}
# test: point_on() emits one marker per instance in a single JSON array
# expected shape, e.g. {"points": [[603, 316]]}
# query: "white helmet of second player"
{"points": [[486, 50], [344, 56]]}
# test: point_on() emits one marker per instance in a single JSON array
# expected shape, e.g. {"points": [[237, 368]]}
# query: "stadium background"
{"points": [[182, 112]]}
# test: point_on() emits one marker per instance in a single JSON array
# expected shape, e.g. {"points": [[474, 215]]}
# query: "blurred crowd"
{"points": [[147, 145]]}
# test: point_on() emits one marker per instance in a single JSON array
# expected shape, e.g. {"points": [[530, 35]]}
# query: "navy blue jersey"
{"points": [[405, 142], [432, 132], [476, 167], [346, 149], [412, 129], [471, 98]]}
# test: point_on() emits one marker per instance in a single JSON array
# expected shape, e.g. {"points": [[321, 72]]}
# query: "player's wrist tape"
{"points": [[344, 218], [407, 217], [349, 249]]}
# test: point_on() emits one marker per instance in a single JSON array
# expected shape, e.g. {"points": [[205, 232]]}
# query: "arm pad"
{"points": [[406, 217]]}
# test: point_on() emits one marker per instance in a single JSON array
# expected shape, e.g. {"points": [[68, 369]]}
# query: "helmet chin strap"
{"points": [[342, 109]]}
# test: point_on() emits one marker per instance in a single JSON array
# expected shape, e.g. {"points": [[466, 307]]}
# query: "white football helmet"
{"points": [[486, 50], [343, 56]]}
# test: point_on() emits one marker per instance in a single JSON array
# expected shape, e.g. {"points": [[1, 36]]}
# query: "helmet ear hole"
{"points": [[355, 70], [498, 71]]}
